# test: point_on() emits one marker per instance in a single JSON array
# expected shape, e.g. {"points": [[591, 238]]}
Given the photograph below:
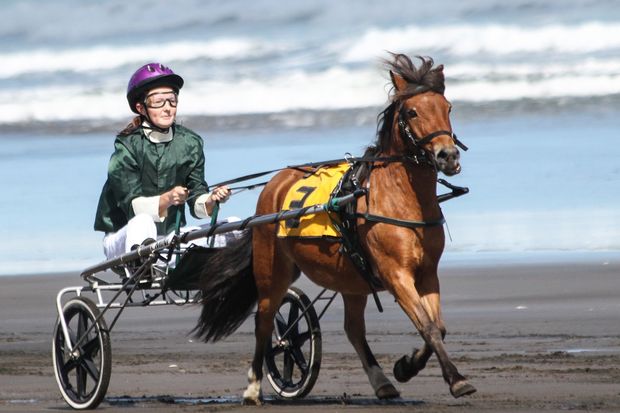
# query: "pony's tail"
{"points": [[227, 288]]}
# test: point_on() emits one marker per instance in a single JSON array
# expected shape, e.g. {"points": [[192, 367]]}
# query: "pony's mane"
{"points": [[419, 79]]}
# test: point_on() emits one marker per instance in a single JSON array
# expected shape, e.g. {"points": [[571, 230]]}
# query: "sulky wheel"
{"points": [[83, 374], [293, 357]]}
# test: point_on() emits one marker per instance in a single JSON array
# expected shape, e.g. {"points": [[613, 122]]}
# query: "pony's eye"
{"points": [[412, 113]]}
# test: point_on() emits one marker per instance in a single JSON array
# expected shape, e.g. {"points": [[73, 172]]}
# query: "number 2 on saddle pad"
{"points": [[314, 189], [299, 203]]}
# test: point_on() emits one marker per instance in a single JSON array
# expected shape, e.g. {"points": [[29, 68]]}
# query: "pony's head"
{"points": [[417, 121]]}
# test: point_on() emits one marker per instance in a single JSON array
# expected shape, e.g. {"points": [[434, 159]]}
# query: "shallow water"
{"points": [[536, 184]]}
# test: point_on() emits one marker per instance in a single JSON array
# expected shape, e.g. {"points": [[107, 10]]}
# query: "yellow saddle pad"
{"points": [[313, 190]]}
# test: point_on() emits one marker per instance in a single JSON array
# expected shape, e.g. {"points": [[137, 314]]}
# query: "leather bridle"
{"points": [[419, 142]]}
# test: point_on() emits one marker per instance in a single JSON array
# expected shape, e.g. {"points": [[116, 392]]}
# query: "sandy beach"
{"points": [[531, 337]]}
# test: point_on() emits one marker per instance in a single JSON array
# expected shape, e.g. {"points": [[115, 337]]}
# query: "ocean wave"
{"points": [[493, 39], [334, 89], [106, 57], [295, 90], [456, 43]]}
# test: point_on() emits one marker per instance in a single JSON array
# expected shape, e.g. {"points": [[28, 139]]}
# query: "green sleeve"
{"points": [[196, 178], [124, 177]]}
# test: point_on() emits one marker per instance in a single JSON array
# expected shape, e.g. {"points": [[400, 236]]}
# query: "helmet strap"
{"points": [[149, 123]]}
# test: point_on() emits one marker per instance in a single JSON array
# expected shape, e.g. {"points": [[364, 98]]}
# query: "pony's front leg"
{"points": [[407, 366], [409, 299], [355, 327]]}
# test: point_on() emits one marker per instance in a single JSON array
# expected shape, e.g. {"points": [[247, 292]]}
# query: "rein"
{"points": [[313, 165], [456, 191]]}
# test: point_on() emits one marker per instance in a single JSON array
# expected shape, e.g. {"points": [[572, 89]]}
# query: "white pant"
{"points": [[142, 227]]}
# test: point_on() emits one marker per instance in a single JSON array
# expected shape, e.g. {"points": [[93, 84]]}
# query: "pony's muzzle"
{"points": [[447, 160]]}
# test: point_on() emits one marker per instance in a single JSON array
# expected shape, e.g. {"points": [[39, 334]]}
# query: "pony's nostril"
{"points": [[448, 155]]}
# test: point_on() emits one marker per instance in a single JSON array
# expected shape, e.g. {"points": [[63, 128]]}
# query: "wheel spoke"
{"points": [[68, 366], [292, 315], [91, 347], [82, 324], [287, 373], [81, 380], [300, 339], [72, 337], [81, 366], [300, 360], [90, 367], [280, 326]]}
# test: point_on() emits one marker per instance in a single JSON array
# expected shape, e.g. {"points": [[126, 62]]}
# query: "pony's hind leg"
{"points": [[264, 324], [355, 327], [265, 313], [273, 273]]}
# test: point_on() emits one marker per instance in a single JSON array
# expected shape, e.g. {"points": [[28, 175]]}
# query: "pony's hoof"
{"points": [[462, 388], [247, 401], [404, 370], [252, 396], [387, 392]]}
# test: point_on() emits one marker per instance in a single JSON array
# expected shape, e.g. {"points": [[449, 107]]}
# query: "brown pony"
{"points": [[415, 140]]}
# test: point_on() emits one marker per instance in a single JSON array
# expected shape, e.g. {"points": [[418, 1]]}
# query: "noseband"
{"points": [[418, 142]]}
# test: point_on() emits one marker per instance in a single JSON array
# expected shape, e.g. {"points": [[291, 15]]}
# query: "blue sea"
{"points": [[535, 86]]}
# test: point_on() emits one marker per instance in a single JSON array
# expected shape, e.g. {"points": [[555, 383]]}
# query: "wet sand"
{"points": [[530, 336]]}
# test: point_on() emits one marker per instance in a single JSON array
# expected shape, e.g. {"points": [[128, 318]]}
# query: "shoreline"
{"points": [[307, 119], [450, 259], [512, 258]]}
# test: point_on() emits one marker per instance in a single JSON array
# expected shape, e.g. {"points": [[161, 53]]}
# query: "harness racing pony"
{"points": [[414, 143]]}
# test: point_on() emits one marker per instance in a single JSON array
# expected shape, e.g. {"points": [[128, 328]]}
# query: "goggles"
{"points": [[158, 100]]}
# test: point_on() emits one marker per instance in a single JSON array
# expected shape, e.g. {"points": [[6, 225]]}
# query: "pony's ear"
{"points": [[439, 68], [398, 81]]}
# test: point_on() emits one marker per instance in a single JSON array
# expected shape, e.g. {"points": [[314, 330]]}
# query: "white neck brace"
{"points": [[156, 136]]}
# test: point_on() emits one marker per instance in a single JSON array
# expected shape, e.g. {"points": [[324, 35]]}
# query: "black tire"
{"points": [[293, 362], [83, 376]]}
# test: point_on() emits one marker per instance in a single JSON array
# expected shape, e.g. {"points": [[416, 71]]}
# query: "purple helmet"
{"points": [[147, 77]]}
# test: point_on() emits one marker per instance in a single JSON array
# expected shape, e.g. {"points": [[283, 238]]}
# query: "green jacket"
{"points": [[139, 167]]}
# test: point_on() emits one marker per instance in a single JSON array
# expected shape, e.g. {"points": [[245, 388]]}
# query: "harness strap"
{"points": [[351, 247], [347, 228], [401, 222], [314, 165], [214, 214]]}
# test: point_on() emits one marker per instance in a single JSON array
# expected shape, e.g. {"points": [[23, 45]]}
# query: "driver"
{"points": [[157, 167]]}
